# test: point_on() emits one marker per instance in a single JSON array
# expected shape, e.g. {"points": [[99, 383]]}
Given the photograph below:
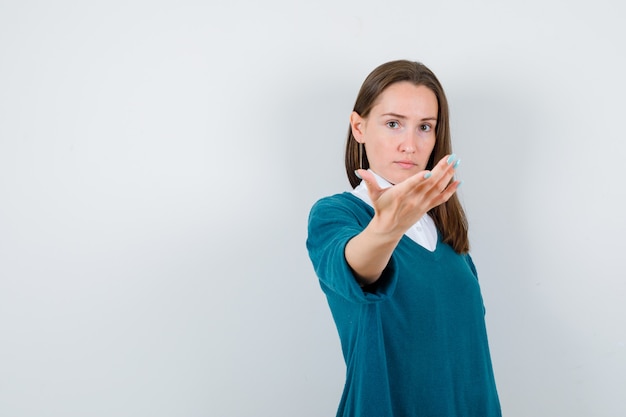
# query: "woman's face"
{"points": [[399, 132]]}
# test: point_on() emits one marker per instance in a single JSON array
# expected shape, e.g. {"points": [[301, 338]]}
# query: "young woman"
{"points": [[392, 258]]}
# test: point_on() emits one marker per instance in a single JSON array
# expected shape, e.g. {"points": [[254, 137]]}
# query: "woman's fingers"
{"points": [[373, 188], [438, 185], [443, 172]]}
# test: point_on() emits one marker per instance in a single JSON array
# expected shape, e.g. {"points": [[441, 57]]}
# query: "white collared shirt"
{"points": [[424, 232]]}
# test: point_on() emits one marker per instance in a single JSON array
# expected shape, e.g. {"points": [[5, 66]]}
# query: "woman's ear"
{"points": [[356, 124]]}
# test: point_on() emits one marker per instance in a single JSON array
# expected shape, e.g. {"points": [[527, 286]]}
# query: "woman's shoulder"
{"points": [[335, 217], [345, 200], [340, 209]]}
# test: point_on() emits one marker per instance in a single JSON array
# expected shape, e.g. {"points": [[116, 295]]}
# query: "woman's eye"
{"points": [[425, 128], [393, 124]]}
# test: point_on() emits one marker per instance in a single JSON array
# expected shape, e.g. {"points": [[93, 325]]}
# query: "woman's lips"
{"points": [[406, 164]]}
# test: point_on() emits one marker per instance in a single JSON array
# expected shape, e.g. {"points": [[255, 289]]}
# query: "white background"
{"points": [[158, 160]]}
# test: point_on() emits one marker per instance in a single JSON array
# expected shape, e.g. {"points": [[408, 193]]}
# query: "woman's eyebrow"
{"points": [[396, 115], [399, 116]]}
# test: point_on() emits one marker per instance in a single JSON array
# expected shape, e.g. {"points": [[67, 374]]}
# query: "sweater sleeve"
{"points": [[332, 223], [470, 263]]}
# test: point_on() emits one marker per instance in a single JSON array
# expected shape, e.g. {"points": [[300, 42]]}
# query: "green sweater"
{"points": [[415, 345]]}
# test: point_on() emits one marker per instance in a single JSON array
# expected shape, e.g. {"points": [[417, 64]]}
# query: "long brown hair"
{"points": [[449, 217]]}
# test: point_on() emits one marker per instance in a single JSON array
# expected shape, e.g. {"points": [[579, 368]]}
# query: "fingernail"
{"points": [[456, 164], [460, 183], [427, 175], [451, 158], [357, 174]]}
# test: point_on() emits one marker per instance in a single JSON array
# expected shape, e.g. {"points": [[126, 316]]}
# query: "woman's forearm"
{"points": [[369, 252]]}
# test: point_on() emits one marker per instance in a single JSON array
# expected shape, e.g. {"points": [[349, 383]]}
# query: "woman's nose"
{"points": [[408, 144]]}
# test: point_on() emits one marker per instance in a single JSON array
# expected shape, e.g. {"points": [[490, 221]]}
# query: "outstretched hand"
{"points": [[401, 206]]}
